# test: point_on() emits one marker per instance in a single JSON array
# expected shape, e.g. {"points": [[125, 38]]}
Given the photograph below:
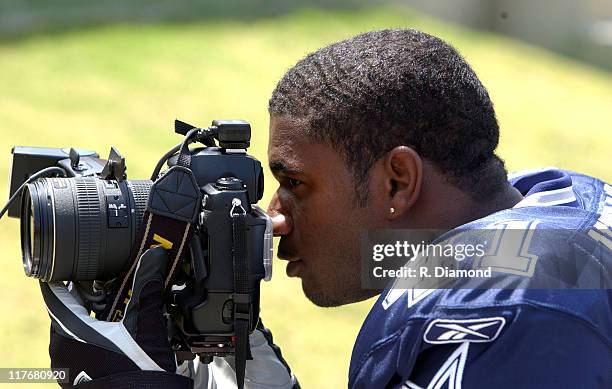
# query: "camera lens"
{"points": [[80, 228], [34, 213], [28, 235], [31, 223]]}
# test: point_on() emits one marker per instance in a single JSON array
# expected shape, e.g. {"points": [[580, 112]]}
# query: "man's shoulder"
{"points": [[405, 325], [569, 192], [569, 246]]}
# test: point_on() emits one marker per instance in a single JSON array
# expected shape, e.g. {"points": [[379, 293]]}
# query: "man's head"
{"points": [[387, 119]]}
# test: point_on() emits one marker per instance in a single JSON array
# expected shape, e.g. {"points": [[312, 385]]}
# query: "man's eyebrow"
{"points": [[279, 167]]}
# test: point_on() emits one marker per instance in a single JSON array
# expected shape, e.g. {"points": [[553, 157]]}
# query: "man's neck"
{"points": [[443, 206], [507, 198]]}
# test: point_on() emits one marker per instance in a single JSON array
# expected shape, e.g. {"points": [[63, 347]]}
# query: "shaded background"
{"points": [[93, 74]]}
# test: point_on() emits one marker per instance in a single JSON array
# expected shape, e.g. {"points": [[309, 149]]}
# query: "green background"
{"points": [[123, 83]]}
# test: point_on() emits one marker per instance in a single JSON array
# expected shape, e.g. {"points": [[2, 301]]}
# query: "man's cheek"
{"points": [[304, 214], [286, 204], [285, 198]]}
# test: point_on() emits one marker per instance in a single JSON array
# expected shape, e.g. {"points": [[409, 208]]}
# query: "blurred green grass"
{"points": [[123, 85]]}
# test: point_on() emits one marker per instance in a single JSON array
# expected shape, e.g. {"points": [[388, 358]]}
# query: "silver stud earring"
{"points": [[392, 210]]}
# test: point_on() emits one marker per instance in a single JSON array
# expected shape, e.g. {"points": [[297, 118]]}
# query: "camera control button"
{"points": [[229, 183]]}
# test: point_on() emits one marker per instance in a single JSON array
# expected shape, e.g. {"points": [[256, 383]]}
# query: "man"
{"points": [[392, 129]]}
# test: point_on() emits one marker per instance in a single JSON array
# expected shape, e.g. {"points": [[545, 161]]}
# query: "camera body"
{"points": [[84, 228], [205, 305]]}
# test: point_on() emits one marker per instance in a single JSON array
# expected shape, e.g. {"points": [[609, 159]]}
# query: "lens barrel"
{"points": [[80, 228]]}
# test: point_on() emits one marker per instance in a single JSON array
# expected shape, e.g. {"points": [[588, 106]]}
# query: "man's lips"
{"points": [[293, 267]]}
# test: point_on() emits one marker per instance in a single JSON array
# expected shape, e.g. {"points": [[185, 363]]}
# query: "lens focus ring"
{"points": [[140, 194], [89, 227]]}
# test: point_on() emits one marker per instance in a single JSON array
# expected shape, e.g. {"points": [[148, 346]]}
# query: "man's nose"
{"points": [[281, 223]]}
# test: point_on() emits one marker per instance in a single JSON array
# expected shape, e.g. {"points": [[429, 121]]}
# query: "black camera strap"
{"points": [[171, 213], [169, 222], [242, 302]]}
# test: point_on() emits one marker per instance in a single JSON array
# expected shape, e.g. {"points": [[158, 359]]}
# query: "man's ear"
{"points": [[403, 169]]}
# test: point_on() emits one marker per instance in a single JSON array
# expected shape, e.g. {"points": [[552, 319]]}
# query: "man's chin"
{"points": [[328, 299]]}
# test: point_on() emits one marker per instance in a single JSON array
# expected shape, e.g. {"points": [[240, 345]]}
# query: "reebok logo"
{"points": [[441, 331], [82, 377]]}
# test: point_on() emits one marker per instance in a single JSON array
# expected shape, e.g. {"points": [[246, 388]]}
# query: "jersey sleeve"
{"points": [[502, 347], [516, 347]]}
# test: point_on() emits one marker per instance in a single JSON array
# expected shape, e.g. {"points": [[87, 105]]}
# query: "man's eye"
{"points": [[293, 182]]}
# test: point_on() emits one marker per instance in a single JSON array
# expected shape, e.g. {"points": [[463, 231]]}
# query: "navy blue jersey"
{"points": [[508, 336]]}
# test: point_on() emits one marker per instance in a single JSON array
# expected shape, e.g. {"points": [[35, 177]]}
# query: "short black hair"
{"points": [[381, 89]]}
